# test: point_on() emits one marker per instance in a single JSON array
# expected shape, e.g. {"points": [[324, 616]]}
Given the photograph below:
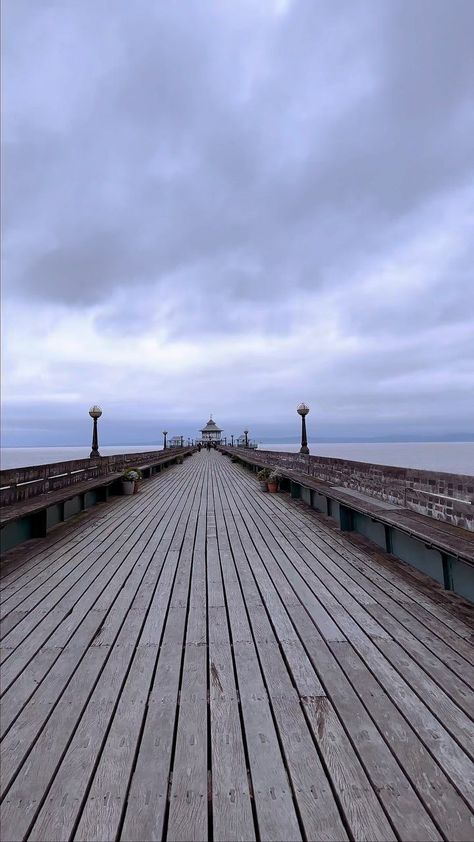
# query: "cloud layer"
{"points": [[238, 206]]}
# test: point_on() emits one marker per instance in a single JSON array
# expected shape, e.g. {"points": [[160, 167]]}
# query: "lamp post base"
{"points": [[304, 449], [94, 454]]}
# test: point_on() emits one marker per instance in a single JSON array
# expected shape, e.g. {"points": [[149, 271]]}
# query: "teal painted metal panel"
{"points": [[346, 520], [90, 499], [371, 529], [295, 490], [462, 576], [414, 552], [72, 507], [54, 515], [306, 495], [319, 502], [15, 533]]}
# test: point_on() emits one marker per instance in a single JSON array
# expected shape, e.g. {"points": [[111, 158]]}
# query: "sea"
{"points": [[453, 457]]}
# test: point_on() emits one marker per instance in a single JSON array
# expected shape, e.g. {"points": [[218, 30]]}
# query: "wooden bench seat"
{"points": [[37, 504], [439, 549], [434, 533], [36, 509]]}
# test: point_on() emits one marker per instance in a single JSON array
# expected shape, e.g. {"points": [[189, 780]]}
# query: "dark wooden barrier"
{"points": [[21, 484], [39, 497]]}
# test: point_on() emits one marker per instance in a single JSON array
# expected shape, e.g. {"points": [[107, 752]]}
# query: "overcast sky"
{"points": [[235, 206]]}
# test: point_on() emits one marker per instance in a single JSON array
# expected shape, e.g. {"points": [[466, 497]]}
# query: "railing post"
{"points": [[447, 572]]}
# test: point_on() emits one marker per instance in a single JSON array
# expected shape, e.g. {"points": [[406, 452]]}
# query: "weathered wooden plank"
{"points": [[146, 809], [109, 785], [188, 812], [44, 622], [396, 576], [99, 597], [459, 724], [59, 664], [24, 564], [347, 624], [410, 819], [63, 722], [148, 796], [364, 814], [101, 814], [276, 815], [452, 759], [362, 809], [351, 563], [232, 817], [60, 577], [447, 808], [326, 625], [290, 668], [21, 802], [312, 791], [456, 764], [460, 692], [102, 811], [306, 563], [29, 562]]}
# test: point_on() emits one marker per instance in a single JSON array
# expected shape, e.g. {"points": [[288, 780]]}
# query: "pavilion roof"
{"points": [[211, 427]]}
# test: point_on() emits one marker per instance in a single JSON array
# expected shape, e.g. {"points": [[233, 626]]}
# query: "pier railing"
{"points": [[19, 484], [444, 496]]}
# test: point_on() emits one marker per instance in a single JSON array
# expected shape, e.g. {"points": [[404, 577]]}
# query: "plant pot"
{"points": [[263, 485], [273, 487], [135, 487], [128, 487]]}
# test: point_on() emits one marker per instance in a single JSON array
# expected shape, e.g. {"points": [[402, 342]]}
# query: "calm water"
{"points": [[455, 457], [21, 457]]}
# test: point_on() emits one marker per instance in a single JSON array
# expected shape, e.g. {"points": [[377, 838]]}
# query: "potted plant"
{"points": [[274, 481], [130, 481], [262, 477]]}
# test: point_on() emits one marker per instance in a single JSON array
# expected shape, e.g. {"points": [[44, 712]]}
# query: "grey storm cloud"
{"points": [[201, 167]]}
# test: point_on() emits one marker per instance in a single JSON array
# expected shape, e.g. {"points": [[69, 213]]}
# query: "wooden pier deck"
{"points": [[205, 661]]}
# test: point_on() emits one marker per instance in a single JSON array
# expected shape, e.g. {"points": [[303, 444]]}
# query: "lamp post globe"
{"points": [[303, 410], [95, 412], [165, 433]]}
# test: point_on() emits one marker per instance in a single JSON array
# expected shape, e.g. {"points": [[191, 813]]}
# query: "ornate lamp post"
{"points": [[303, 411], [232, 437], [165, 433], [182, 441], [246, 434], [95, 412]]}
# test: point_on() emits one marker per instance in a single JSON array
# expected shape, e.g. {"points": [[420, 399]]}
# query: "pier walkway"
{"points": [[206, 661]]}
